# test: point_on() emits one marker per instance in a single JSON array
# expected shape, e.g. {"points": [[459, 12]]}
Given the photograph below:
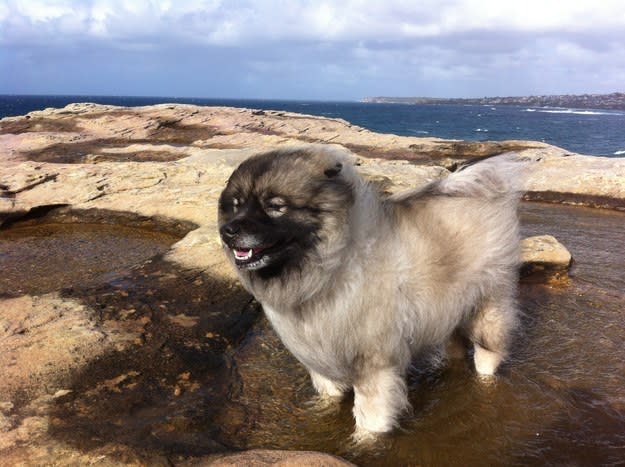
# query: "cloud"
{"points": [[352, 47], [244, 22]]}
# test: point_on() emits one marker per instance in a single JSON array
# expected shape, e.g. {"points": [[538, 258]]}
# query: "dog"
{"points": [[356, 284]]}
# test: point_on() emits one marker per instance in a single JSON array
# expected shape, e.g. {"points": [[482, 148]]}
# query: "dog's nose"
{"points": [[229, 230]]}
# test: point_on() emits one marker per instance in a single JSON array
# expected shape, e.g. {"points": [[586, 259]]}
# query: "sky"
{"points": [[312, 50]]}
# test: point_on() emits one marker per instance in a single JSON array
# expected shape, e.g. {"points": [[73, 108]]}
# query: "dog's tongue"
{"points": [[247, 253]]}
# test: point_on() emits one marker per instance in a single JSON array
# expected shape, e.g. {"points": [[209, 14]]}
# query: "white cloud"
{"points": [[448, 45], [41, 11], [247, 21]]}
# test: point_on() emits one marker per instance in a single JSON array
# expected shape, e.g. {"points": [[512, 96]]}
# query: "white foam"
{"points": [[619, 153], [573, 112], [481, 130]]}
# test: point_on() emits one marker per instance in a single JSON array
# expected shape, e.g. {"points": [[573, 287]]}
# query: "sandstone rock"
{"points": [[43, 340], [575, 179], [544, 254], [263, 458], [91, 133]]}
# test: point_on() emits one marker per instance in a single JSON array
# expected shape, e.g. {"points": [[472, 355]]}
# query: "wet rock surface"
{"points": [[125, 337], [544, 256], [263, 458], [137, 366]]}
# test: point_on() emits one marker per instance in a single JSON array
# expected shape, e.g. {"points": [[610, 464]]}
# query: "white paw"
{"points": [[486, 361], [377, 415], [362, 437]]}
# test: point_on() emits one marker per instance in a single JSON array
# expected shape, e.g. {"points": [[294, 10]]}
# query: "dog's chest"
{"points": [[317, 343]]}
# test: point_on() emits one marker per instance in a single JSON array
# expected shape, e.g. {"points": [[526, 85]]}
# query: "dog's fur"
{"points": [[356, 286]]}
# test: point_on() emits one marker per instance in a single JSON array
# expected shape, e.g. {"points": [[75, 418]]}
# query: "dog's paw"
{"points": [[362, 438], [486, 361]]}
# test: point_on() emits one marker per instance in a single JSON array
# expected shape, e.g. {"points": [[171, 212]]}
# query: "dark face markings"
{"points": [[273, 208]]}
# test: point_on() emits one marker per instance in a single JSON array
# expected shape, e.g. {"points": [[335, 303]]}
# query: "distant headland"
{"points": [[615, 100]]}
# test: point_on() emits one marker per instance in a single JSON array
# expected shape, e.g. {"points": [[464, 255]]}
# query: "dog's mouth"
{"points": [[244, 255], [256, 257]]}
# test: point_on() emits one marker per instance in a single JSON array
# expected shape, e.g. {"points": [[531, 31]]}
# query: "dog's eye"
{"points": [[275, 207], [236, 202]]}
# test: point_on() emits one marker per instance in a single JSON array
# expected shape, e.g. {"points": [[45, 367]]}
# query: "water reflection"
{"points": [[36, 259]]}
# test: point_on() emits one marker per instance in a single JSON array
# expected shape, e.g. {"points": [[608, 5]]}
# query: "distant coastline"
{"points": [[615, 101]]}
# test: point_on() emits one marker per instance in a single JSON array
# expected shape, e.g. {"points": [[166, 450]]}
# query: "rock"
{"points": [[43, 340], [263, 458], [577, 180], [545, 255], [70, 134], [93, 134]]}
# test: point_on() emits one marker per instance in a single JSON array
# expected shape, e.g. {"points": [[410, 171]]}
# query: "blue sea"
{"points": [[585, 131]]}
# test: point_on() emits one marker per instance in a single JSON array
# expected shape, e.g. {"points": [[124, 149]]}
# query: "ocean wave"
{"points": [[481, 130], [574, 112], [619, 153], [418, 132]]}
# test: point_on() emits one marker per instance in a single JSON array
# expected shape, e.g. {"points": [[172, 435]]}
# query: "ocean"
{"points": [[584, 131]]}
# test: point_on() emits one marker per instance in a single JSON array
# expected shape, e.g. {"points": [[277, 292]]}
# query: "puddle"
{"points": [[36, 259]]}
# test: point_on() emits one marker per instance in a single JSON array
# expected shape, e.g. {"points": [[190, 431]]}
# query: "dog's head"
{"points": [[280, 208]]}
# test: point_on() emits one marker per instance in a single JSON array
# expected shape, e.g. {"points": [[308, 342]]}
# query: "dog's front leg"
{"points": [[379, 400]]}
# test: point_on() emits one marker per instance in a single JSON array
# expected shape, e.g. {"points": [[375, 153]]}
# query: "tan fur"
{"points": [[389, 279]]}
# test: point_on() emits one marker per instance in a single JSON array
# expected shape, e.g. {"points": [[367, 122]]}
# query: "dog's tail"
{"points": [[497, 177]]}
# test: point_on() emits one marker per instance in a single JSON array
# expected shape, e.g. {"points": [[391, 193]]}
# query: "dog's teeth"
{"points": [[243, 254]]}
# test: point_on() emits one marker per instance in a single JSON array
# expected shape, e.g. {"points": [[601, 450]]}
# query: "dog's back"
{"points": [[460, 248], [469, 218]]}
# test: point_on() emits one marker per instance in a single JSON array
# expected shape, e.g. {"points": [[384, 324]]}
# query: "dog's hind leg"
{"points": [[327, 388], [379, 400], [490, 331]]}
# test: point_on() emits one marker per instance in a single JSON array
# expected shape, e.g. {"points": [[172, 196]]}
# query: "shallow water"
{"points": [[559, 400], [42, 258]]}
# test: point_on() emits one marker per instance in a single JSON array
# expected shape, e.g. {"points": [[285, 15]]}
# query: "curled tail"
{"points": [[501, 176]]}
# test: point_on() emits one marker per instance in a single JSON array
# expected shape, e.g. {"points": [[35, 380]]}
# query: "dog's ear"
{"points": [[333, 171]]}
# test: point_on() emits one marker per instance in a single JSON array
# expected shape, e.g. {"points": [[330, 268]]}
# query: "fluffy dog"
{"points": [[356, 285]]}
